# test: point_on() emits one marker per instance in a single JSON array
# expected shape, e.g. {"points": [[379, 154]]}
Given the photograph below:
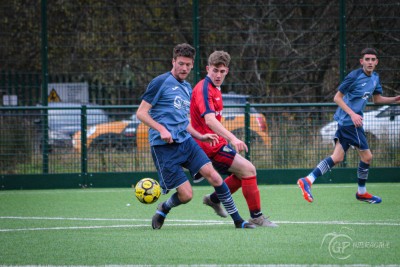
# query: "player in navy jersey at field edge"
{"points": [[352, 97], [164, 108]]}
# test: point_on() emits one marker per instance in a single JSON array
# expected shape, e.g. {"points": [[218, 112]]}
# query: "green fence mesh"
{"points": [[278, 136], [106, 52]]}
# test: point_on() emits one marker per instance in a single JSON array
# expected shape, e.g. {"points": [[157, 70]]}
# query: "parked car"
{"points": [[117, 135], [382, 125], [63, 123], [121, 135]]}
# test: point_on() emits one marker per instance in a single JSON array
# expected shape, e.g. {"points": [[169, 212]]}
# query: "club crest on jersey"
{"points": [[226, 149], [366, 95], [180, 103]]}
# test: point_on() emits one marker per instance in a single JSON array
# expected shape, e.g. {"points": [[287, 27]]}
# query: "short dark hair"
{"points": [[218, 58], [184, 50], [370, 51]]}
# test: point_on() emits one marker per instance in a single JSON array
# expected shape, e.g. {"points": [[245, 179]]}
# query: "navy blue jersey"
{"points": [[170, 100], [357, 87]]}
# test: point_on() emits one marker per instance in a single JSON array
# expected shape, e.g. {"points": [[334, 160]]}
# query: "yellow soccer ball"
{"points": [[147, 190]]}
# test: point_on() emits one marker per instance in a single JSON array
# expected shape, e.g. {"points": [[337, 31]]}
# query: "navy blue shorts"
{"points": [[351, 136], [169, 160], [223, 160]]}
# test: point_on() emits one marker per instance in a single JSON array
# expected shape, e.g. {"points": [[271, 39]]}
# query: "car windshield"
{"points": [[72, 117], [390, 112], [233, 99]]}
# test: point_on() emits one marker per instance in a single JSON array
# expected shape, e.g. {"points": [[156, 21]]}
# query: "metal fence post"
{"points": [[342, 36], [196, 41], [44, 87], [84, 168], [247, 133]]}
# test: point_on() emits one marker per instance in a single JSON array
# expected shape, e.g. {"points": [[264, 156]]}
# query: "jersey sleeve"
{"points": [[378, 88], [348, 81], [203, 99], [208, 104], [153, 89]]}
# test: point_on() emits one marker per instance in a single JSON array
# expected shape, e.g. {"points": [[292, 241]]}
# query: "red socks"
{"points": [[251, 193], [233, 183], [249, 189]]}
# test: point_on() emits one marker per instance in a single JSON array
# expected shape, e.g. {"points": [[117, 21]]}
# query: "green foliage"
{"points": [[280, 50]]}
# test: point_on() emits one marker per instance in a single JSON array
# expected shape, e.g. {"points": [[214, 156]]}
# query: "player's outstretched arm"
{"points": [[379, 99]]}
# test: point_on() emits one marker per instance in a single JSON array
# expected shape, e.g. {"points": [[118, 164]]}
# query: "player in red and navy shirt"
{"points": [[206, 111], [205, 100]]}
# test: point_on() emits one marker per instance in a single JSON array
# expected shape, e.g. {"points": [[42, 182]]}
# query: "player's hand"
{"points": [[166, 136], [239, 145], [357, 120], [212, 139]]}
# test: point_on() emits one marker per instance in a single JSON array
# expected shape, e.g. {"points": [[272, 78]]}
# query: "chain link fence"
{"points": [[279, 137], [287, 56]]}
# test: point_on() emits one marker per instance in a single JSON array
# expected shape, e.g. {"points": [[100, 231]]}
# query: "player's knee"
{"points": [[246, 170], [211, 175], [367, 159], [215, 179], [186, 196], [252, 170], [337, 159]]}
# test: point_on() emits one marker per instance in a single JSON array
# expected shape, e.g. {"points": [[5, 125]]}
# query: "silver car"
{"points": [[63, 123], [382, 125]]}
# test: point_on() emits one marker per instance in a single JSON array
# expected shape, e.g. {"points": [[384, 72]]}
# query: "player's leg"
{"points": [[243, 174], [212, 200], [222, 162], [224, 195], [246, 172], [198, 162], [362, 175], [171, 176], [182, 195], [322, 167]]}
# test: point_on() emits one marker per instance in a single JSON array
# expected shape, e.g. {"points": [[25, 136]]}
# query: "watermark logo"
{"points": [[341, 245]]}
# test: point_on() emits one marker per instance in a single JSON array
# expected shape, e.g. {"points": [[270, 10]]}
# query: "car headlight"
{"points": [[91, 131], [58, 136]]}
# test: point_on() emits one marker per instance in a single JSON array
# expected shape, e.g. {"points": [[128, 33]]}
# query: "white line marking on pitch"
{"points": [[170, 223], [383, 223], [200, 188], [104, 226]]}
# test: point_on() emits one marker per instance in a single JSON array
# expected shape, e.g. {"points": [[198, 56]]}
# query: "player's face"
{"points": [[369, 62], [181, 67], [217, 74]]}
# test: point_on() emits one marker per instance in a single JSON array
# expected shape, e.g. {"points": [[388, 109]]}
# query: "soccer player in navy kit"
{"points": [[352, 97], [165, 108]]}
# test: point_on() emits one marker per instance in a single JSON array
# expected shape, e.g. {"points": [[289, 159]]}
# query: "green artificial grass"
{"points": [[110, 227]]}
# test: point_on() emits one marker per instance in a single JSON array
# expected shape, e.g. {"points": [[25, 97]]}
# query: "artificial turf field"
{"points": [[110, 227]]}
